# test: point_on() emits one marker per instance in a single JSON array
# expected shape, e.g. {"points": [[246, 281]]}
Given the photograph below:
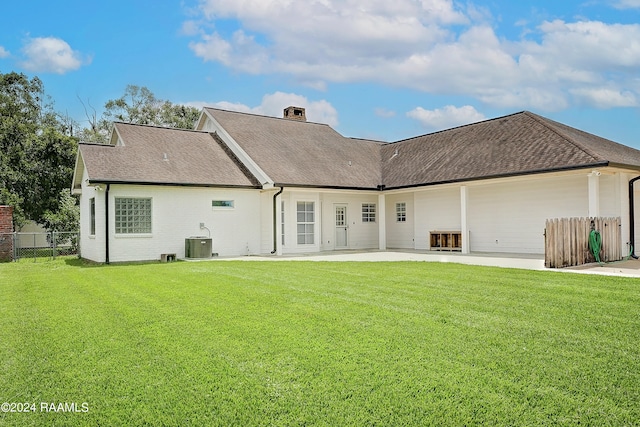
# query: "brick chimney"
{"points": [[295, 113], [6, 230]]}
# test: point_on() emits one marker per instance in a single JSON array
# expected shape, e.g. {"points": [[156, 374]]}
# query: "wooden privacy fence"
{"points": [[567, 241]]}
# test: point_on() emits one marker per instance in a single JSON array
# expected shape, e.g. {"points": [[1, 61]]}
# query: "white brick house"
{"points": [[262, 185]]}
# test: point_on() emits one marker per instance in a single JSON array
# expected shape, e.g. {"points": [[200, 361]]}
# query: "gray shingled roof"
{"points": [[604, 149], [518, 144], [192, 158], [302, 153], [295, 153]]}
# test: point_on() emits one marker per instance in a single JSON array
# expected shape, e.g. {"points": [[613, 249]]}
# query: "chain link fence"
{"points": [[17, 246]]}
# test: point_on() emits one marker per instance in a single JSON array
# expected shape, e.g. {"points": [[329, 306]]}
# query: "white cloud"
{"points": [[605, 98], [358, 13], [447, 117], [273, 105], [4, 53], [428, 45], [50, 54], [325, 37], [592, 45], [190, 28], [384, 113], [627, 4], [212, 48]]}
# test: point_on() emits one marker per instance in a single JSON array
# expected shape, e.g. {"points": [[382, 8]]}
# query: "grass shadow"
{"points": [[85, 263]]}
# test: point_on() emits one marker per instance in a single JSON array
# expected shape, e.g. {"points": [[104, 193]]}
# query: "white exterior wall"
{"points": [[289, 226], [266, 221], [92, 247], [176, 215], [609, 196], [614, 202], [360, 235], [400, 235], [510, 216], [435, 209], [505, 215]]}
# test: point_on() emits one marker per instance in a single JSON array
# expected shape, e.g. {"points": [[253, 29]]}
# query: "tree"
{"points": [[67, 217], [178, 116], [140, 106], [37, 153]]}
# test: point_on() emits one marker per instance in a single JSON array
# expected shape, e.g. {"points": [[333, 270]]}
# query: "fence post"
{"points": [[14, 236]]}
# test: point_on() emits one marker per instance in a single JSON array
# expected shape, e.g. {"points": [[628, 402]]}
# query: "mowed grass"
{"points": [[306, 343]]}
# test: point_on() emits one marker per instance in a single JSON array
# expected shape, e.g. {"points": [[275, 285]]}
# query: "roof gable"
{"points": [[303, 153], [165, 156]]}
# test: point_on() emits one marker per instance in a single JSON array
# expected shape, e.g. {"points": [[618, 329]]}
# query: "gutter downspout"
{"points": [[106, 215], [632, 220], [275, 221]]}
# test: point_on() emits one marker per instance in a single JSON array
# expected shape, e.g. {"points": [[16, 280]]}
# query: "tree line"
{"points": [[38, 145]]}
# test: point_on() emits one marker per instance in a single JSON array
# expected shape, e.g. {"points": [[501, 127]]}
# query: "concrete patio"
{"points": [[628, 268]]}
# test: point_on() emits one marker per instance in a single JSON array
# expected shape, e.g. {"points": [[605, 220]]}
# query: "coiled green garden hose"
{"points": [[595, 244]]}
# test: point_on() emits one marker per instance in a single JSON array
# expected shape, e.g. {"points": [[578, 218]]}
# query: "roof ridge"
{"points": [[266, 117], [158, 127], [366, 140], [544, 122], [457, 127]]}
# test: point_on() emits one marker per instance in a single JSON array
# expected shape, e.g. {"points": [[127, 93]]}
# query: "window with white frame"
{"points": [[306, 223], [222, 204], [133, 215], [92, 216], [401, 212], [368, 212]]}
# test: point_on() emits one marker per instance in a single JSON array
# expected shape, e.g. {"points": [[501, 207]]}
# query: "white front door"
{"points": [[341, 227]]}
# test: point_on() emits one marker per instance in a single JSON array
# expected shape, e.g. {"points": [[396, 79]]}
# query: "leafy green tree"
{"points": [[37, 153], [67, 217], [140, 106], [38, 146], [178, 116]]}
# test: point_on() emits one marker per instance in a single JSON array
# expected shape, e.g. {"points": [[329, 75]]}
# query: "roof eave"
{"points": [[327, 187], [76, 180], [497, 176], [172, 184], [624, 166]]}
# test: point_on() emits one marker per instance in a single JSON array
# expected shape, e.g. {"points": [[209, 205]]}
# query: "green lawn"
{"points": [[305, 343]]}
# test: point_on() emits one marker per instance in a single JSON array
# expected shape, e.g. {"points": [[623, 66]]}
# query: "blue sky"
{"points": [[370, 68]]}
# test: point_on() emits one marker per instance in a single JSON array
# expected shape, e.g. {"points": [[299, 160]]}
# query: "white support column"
{"points": [[464, 228], [382, 222], [594, 194]]}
